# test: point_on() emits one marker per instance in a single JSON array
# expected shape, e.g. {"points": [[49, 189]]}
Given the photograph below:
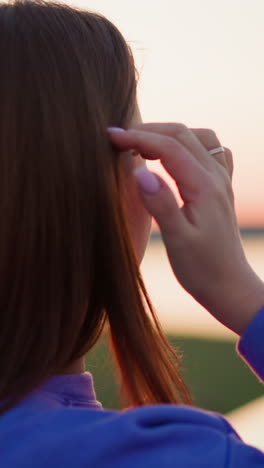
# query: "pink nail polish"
{"points": [[115, 129]]}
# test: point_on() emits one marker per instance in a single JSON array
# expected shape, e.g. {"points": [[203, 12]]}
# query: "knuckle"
{"points": [[207, 137], [180, 129], [205, 134], [211, 134], [168, 146]]}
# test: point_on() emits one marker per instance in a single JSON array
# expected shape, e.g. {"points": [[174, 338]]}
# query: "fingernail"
{"points": [[147, 180], [115, 129]]}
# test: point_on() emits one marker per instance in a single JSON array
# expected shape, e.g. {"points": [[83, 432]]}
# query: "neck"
{"points": [[77, 367]]}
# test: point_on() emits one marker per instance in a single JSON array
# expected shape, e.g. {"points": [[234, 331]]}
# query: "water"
{"points": [[177, 310], [180, 313], [248, 422]]}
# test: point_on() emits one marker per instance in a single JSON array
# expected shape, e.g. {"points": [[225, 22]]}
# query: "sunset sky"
{"points": [[202, 63]]}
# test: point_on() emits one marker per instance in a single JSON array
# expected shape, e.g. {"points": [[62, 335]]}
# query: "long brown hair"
{"points": [[67, 263]]}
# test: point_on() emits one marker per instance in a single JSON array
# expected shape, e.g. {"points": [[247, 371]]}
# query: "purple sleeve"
{"points": [[251, 345]]}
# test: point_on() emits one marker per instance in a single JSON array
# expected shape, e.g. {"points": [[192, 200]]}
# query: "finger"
{"points": [[229, 161], [220, 159], [161, 203], [182, 134], [209, 140], [177, 160], [207, 137]]}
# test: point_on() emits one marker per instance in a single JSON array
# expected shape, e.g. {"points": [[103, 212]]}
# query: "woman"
{"points": [[75, 227]]}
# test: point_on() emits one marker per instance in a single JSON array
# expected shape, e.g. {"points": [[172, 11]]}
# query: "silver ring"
{"points": [[217, 150]]}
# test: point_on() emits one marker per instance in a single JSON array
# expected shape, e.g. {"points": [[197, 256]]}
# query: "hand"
{"points": [[202, 237]]}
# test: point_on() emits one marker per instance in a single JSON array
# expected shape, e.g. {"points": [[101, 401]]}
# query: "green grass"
{"points": [[218, 379]]}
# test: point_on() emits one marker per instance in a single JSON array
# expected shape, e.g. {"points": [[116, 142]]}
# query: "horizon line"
{"points": [[244, 231]]}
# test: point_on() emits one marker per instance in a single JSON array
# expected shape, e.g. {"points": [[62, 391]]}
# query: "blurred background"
{"points": [[202, 64]]}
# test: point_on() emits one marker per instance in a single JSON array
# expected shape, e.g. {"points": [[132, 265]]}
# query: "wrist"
{"points": [[236, 302], [249, 301]]}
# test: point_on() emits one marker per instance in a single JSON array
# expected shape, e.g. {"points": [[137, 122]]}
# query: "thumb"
{"points": [[160, 202]]}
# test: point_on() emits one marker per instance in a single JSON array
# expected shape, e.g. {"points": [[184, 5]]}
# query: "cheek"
{"points": [[138, 218]]}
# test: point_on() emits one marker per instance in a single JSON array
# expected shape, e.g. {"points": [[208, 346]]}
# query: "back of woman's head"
{"points": [[67, 262]]}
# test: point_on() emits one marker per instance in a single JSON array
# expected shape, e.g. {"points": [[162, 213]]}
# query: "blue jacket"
{"points": [[61, 424]]}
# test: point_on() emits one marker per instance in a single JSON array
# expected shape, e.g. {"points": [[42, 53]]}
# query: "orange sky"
{"points": [[202, 63]]}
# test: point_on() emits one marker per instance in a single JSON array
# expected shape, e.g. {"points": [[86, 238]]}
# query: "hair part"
{"points": [[67, 261]]}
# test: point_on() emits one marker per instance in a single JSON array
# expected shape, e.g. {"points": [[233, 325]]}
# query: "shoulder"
{"points": [[154, 436], [176, 415], [192, 437]]}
